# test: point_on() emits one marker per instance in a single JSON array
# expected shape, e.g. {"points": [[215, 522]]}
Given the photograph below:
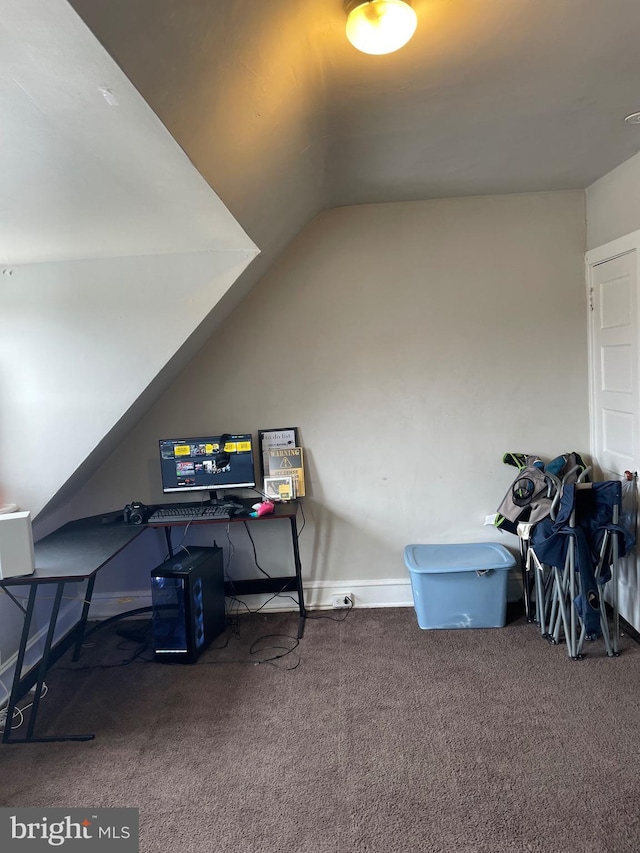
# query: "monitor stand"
{"points": [[221, 497], [218, 498]]}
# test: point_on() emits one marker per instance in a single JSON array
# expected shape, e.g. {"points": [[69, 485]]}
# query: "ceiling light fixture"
{"points": [[379, 26], [634, 118]]}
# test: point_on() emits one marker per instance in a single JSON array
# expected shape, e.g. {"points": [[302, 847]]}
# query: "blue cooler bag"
{"points": [[459, 586]]}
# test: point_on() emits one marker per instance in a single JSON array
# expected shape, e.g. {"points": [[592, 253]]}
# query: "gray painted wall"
{"points": [[613, 204], [412, 344]]}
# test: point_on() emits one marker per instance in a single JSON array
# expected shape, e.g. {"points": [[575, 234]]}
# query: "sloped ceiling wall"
{"points": [[241, 86], [88, 169], [114, 249]]}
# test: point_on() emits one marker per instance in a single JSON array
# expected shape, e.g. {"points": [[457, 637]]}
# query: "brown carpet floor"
{"points": [[371, 735]]}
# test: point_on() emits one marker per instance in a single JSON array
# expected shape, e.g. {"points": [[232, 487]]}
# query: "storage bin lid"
{"points": [[475, 556]]}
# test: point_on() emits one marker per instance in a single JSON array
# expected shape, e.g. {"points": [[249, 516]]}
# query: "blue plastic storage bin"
{"points": [[459, 586]]}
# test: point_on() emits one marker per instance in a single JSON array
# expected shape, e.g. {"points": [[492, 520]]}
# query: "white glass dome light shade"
{"points": [[380, 26]]}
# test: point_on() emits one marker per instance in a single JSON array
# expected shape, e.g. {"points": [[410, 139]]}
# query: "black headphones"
{"points": [[222, 458]]}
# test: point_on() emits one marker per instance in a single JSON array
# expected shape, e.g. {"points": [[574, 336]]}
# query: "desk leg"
{"points": [[296, 559], [83, 618], [15, 687], [42, 671], [44, 663], [167, 536]]}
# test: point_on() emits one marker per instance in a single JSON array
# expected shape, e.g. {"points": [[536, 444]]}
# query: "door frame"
{"points": [[628, 604], [607, 252]]}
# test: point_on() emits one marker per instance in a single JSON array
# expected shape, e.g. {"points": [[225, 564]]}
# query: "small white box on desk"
{"points": [[16, 545]]}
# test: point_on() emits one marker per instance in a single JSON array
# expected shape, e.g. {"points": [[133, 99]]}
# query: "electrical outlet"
{"points": [[344, 599]]}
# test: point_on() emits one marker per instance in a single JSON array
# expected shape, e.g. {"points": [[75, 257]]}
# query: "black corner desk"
{"points": [[258, 586], [75, 553]]}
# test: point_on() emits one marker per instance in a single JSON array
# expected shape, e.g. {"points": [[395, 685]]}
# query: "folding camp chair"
{"points": [[582, 544]]}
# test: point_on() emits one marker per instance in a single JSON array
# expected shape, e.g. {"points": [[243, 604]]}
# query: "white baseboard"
{"points": [[317, 595], [387, 592], [390, 592]]}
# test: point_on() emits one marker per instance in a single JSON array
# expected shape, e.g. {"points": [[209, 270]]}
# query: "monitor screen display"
{"points": [[194, 464]]}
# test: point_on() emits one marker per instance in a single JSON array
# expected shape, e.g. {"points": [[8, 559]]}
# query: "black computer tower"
{"points": [[187, 595]]}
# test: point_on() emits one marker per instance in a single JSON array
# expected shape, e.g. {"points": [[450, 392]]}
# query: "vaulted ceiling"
{"points": [[283, 117]]}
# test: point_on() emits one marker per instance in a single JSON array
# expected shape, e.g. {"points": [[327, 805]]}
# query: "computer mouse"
{"points": [[265, 508]]}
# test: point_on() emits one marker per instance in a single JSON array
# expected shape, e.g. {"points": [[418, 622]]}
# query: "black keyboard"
{"points": [[184, 514]]}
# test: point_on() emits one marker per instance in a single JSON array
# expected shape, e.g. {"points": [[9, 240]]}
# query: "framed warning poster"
{"points": [[274, 438]]}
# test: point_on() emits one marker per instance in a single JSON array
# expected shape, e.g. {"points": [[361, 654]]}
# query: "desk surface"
{"points": [[77, 550], [80, 548], [288, 509]]}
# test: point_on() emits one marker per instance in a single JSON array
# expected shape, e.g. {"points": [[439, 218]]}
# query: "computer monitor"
{"points": [[201, 464]]}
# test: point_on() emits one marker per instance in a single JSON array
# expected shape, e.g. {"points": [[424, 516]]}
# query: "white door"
{"points": [[615, 394]]}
